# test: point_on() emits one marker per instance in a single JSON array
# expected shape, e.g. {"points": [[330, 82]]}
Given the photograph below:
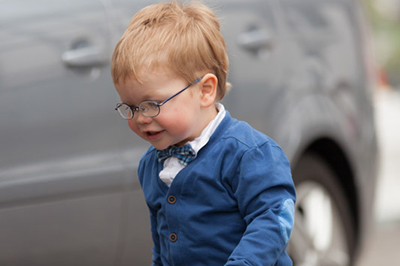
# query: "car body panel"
{"points": [[61, 176]]}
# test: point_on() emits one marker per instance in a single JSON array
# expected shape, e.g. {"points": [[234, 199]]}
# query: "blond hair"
{"points": [[183, 38]]}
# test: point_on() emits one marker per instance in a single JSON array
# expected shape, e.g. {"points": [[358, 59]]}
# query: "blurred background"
{"points": [[59, 205], [382, 248], [384, 17]]}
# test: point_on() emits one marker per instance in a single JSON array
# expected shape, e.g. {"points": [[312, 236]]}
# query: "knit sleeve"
{"points": [[265, 194]]}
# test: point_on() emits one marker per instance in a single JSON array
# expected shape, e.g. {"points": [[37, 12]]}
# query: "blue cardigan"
{"points": [[233, 205]]}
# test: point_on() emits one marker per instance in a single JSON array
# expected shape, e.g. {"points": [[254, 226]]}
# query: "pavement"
{"points": [[383, 247]]}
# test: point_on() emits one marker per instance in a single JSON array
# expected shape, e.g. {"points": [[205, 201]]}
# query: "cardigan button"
{"points": [[173, 237], [171, 199]]}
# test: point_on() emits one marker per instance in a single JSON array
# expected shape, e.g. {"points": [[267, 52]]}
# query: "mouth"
{"points": [[151, 135]]}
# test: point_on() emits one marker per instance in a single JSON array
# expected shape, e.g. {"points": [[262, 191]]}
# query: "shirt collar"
{"points": [[205, 135]]}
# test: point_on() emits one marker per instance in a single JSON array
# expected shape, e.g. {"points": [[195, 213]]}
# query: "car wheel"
{"points": [[323, 231]]}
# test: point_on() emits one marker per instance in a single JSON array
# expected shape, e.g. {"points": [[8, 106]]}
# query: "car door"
{"points": [[253, 41], [61, 177]]}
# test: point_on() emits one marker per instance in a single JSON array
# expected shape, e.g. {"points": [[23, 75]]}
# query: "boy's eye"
{"points": [[149, 108]]}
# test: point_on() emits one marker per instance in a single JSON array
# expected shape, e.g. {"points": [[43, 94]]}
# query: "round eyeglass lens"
{"points": [[125, 111], [149, 108]]}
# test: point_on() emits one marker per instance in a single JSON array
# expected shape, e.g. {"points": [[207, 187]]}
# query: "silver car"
{"points": [[69, 194]]}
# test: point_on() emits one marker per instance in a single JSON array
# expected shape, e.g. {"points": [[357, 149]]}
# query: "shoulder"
{"points": [[242, 134], [148, 161], [236, 143], [151, 152], [148, 156], [250, 161]]}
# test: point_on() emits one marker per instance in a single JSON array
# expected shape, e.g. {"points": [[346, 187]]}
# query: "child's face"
{"points": [[178, 120]]}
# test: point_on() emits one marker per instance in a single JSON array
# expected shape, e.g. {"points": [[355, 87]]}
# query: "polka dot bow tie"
{"points": [[185, 154]]}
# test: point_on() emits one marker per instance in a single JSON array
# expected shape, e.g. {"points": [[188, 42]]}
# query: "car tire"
{"points": [[323, 234]]}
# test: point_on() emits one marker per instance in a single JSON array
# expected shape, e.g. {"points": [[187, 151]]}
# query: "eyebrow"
{"points": [[146, 97]]}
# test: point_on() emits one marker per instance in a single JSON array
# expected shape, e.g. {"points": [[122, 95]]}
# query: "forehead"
{"points": [[155, 85]]}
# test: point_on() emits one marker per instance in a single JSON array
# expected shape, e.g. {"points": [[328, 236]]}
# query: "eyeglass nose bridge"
{"points": [[134, 109]]}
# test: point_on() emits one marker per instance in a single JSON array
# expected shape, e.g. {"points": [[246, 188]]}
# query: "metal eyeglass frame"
{"points": [[137, 108]]}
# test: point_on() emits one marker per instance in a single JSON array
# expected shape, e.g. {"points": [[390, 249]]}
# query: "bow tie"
{"points": [[185, 154]]}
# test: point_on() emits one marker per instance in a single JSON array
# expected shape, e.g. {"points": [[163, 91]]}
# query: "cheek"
{"points": [[133, 127], [176, 124]]}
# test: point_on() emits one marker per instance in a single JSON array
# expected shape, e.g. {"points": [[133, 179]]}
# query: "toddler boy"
{"points": [[219, 192]]}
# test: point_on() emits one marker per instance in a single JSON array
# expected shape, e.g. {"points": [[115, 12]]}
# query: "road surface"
{"points": [[383, 248]]}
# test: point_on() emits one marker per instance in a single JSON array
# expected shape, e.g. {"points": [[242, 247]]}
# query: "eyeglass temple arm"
{"points": [[194, 82]]}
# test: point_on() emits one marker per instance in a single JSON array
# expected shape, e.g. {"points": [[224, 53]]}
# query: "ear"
{"points": [[208, 90]]}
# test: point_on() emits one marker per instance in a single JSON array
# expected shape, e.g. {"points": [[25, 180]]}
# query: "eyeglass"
{"points": [[148, 108]]}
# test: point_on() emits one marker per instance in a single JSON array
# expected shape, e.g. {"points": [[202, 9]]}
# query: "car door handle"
{"points": [[85, 57], [255, 40]]}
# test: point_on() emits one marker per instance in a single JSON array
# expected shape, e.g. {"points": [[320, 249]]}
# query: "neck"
{"points": [[209, 114]]}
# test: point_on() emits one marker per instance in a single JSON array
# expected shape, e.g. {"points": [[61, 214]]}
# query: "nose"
{"points": [[142, 119]]}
